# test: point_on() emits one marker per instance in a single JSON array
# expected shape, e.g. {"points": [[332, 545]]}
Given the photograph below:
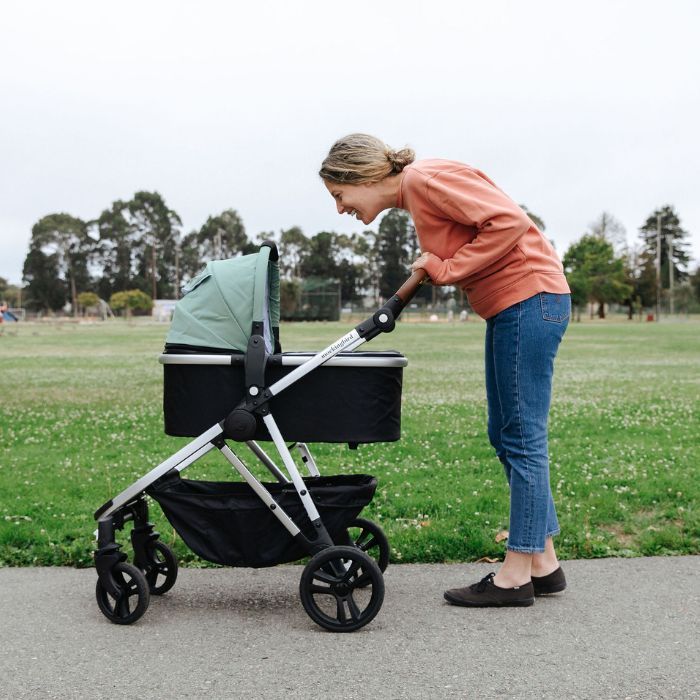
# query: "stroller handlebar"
{"points": [[384, 320], [409, 288]]}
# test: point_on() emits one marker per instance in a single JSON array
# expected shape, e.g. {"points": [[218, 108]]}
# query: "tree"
{"points": [[11, 294], [117, 249], [673, 239], [138, 245], [607, 227], [45, 289], [366, 253], [593, 267], [131, 300], [223, 236], [88, 300], [397, 248], [320, 257], [65, 238], [156, 229], [294, 246], [190, 262]]}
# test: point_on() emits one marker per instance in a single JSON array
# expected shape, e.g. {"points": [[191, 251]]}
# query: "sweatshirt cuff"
{"points": [[434, 267]]}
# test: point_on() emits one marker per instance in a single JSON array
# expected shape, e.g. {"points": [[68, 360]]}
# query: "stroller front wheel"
{"points": [[342, 589], [132, 597]]}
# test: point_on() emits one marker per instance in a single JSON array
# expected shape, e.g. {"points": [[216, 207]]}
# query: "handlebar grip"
{"points": [[409, 288]]}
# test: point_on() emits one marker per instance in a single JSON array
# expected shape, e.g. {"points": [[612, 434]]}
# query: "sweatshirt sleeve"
{"points": [[469, 198]]}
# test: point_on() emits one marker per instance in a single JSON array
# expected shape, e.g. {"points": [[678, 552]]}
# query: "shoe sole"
{"points": [[552, 589], [526, 602]]}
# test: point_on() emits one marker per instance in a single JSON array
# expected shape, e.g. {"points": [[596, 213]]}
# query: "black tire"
{"points": [[165, 567], [124, 610], [370, 538], [342, 589]]}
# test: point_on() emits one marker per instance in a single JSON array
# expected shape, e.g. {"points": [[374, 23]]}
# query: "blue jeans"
{"points": [[521, 344]]}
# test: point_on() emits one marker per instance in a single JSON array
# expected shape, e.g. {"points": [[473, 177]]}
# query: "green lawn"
{"points": [[80, 419]]}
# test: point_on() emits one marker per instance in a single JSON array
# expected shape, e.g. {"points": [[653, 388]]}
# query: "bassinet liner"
{"points": [[343, 401], [227, 522]]}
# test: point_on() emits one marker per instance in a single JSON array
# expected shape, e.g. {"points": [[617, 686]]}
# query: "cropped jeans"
{"points": [[521, 344]]}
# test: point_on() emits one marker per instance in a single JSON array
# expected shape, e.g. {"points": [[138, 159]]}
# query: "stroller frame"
{"points": [[344, 568]]}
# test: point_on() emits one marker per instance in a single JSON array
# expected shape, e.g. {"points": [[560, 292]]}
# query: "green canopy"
{"points": [[223, 301]]}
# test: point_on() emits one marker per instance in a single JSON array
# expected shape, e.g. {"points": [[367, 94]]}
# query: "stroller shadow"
{"points": [[242, 595]]}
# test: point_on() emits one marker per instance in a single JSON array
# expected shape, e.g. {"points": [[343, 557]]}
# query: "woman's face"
{"points": [[364, 202]]}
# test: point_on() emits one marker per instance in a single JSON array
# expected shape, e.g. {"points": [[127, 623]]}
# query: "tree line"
{"points": [[137, 245]]}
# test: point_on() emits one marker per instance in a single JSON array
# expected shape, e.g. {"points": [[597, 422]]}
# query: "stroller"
{"points": [[225, 377]]}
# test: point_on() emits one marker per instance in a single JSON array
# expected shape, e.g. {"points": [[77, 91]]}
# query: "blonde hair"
{"points": [[363, 159]]}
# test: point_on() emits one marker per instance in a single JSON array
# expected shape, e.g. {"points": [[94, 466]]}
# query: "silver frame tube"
{"points": [[265, 459], [288, 360], [347, 343], [299, 484], [261, 491], [307, 459], [182, 458]]}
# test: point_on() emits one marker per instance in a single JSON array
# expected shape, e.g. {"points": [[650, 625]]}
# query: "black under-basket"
{"points": [[227, 523]]}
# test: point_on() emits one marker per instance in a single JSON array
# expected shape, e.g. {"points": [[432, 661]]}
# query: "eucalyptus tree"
{"points": [[294, 246], [139, 246], [397, 248], [223, 236], [64, 242]]}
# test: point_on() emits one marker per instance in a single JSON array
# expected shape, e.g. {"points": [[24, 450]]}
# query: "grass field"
{"points": [[80, 419]]}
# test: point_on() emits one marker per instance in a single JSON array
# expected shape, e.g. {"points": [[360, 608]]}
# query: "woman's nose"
{"points": [[339, 207]]}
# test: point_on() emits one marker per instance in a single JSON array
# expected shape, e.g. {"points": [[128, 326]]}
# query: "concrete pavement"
{"points": [[625, 628]]}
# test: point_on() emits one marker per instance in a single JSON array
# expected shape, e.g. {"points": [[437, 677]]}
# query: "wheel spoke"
{"points": [[340, 610], [361, 581], [321, 589], [368, 545], [362, 537], [122, 606], [354, 610], [350, 573], [326, 578]]}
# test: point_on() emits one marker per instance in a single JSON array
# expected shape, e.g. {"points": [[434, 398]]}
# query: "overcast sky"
{"points": [[572, 108]]}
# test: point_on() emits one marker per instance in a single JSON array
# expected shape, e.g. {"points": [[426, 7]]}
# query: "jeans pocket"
{"points": [[555, 307]]}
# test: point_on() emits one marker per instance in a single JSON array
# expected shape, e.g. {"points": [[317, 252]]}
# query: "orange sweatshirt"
{"points": [[483, 241]]}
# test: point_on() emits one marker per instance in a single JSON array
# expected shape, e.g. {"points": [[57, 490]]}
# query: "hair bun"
{"points": [[400, 159]]}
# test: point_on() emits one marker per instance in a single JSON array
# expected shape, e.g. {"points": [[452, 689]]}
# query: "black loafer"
{"points": [[551, 583], [486, 594]]}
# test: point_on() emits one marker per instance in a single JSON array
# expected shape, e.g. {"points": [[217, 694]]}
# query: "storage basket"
{"points": [[227, 522]]}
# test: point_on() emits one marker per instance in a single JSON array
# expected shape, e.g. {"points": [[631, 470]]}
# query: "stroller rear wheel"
{"points": [[342, 589], [162, 566], [370, 538], [132, 599]]}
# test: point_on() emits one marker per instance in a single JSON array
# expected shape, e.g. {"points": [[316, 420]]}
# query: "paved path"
{"points": [[626, 628]]}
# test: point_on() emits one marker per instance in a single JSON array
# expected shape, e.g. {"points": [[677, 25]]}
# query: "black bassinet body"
{"points": [[227, 523], [354, 398]]}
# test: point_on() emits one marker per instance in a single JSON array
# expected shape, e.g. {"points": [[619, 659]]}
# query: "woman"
{"points": [[473, 235]]}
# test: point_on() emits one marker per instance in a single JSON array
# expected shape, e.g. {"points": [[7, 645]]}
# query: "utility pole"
{"points": [[153, 267], [177, 270], [669, 239], [658, 266]]}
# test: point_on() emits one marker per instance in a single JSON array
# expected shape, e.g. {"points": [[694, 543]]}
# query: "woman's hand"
{"points": [[422, 261]]}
